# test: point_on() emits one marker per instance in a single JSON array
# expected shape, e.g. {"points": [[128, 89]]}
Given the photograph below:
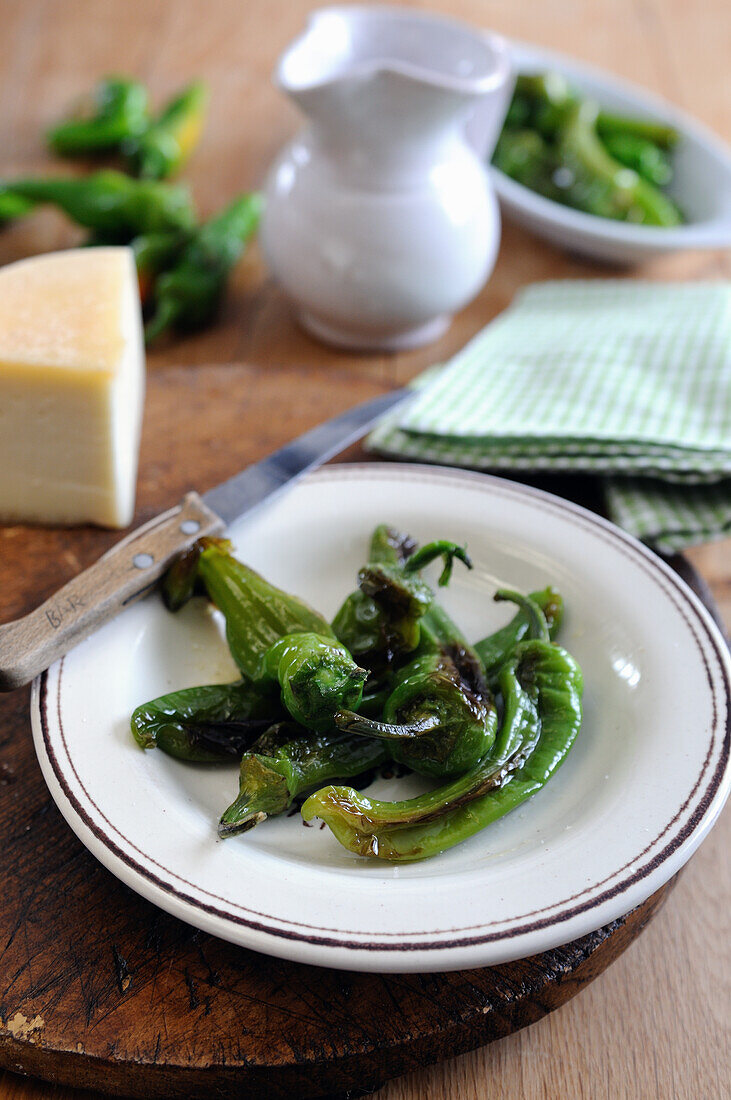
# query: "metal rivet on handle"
{"points": [[190, 526], [143, 561]]}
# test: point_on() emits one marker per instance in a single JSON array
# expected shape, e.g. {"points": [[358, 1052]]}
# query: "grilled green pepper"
{"points": [[109, 203], [552, 680], [288, 760], [205, 724], [119, 113], [188, 295], [160, 149], [257, 613], [495, 649], [515, 741], [440, 717], [317, 676], [380, 621]]}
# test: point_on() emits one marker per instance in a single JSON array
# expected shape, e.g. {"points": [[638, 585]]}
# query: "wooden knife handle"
{"points": [[124, 574]]}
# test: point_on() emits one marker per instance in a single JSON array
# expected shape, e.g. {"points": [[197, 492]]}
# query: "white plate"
{"points": [[641, 788], [702, 183]]}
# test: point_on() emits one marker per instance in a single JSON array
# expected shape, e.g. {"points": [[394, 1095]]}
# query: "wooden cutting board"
{"points": [[99, 988]]}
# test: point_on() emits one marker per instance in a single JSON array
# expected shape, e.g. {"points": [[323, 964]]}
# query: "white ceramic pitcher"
{"points": [[380, 219]]}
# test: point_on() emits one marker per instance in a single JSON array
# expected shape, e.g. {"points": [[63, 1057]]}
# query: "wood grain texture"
{"points": [[656, 1024]]}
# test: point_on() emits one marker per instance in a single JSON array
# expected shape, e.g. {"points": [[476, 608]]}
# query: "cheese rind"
{"points": [[71, 387]]}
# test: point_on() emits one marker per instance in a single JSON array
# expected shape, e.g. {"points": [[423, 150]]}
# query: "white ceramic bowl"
{"points": [[701, 186], [642, 786]]}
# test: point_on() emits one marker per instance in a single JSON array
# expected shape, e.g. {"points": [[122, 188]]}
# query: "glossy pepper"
{"points": [[379, 622], [161, 148], [552, 681], [257, 613], [495, 649], [118, 113], [317, 677], [440, 718], [205, 724], [516, 739], [111, 204], [288, 760], [188, 295]]}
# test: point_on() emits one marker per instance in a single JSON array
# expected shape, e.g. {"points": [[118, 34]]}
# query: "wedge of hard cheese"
{"points": [[72, 368]]}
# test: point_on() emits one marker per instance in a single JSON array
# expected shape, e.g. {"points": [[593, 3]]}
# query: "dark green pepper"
{"points": [[552, 680], [257, 613], [188, 295], [119, 113], [495, 649], [288, 760], [317, 677], [205, 724], [162, 148], [515, 741], [438, 720], [379, 622], [111, 204]]}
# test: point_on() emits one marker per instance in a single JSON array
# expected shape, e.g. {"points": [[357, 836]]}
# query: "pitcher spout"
{"points": [[387, 73]]}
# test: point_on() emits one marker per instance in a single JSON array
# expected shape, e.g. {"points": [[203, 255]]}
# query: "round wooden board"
{"points": [[98, 988]]}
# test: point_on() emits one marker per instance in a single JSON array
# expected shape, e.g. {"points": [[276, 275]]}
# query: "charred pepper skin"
{"points": [[119, 113], [188, 295], [289, 760], [552, 680], [205, 725], [317, 677], [380, 622], [257, 613], [516, 739]]}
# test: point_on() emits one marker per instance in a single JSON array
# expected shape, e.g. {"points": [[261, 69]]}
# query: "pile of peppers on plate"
{"points": [[566, 148], [392, 678], [182, 266]]}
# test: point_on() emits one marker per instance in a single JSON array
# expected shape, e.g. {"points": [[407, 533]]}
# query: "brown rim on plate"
{"points": [[559, 912]]}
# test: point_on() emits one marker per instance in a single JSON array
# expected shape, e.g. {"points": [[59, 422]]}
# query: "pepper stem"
{"points": [[350, 722], [537, 625], [441, 548]]}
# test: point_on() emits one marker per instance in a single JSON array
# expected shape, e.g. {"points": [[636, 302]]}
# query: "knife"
{"points": [[130, 569]]}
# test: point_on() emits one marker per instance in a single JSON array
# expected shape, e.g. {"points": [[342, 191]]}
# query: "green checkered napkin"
{"points": [[609, 377]]}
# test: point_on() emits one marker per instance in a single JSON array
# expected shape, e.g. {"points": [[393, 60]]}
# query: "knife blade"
{"points": [[131, 568]]}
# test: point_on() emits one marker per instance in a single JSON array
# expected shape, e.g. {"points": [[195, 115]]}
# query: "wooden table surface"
{"points": [[656, 1023]]}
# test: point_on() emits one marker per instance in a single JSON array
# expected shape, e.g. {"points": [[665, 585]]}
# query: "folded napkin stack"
{"points": [[630, 380]]}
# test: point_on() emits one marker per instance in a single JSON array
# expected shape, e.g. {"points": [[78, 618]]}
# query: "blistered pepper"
{"points": [[257, 613], [205, 724], [380, 622], [285, 762], [317, 677], [552, 680], [495, 649]]}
